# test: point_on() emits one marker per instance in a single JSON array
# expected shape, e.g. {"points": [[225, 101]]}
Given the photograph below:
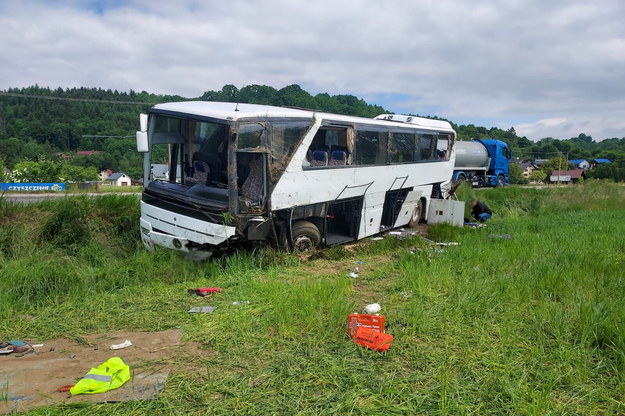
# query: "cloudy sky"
{"points": [[549, 68]]}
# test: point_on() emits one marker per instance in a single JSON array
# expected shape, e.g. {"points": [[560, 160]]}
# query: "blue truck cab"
{"points": [[500, 154]]}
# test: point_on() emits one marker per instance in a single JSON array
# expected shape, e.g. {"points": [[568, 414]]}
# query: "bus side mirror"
{"points": [[142, 134], [142, 141], [143, 122]]}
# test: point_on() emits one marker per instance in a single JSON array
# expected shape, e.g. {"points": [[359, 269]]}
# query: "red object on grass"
{"points": [[377, 341], [205, 291]]}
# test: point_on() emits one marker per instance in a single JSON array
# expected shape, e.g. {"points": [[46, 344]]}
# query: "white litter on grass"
{"points": [[373, 308], [451, 243], [124, 344], [353, 275], [37, 345], [203, 309], [243, 302], [377, 238], [395, 233]]}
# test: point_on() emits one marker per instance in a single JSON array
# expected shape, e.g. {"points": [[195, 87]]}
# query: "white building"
{"points": [[118, 179]]}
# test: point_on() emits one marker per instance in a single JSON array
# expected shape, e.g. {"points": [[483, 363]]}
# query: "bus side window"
{"points": [[370, 147], [329, 147], [401, 147], [426, 150]]}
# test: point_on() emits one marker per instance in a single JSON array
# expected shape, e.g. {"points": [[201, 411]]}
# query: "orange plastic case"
{"points": [[371, 339], [373, 322]]}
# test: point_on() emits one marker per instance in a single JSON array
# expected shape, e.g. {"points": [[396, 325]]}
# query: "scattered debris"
{"points": [[33, 381], [110, 375], [353, 275], [19, 348], [72, 356], [21, 354], [242, 302], [374, 340], [37, 345], [377, 238], [450, 243], [395, 233], [373, 308], [204, 291], [502, 236], [124, 344], [360, 262], [202, 309], [373, 322], [368, 329]]}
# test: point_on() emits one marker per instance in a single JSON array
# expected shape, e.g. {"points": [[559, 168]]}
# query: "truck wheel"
{"points": [[461, 178], [417, 215], [480, 182], [500, 181], [306, 236]]}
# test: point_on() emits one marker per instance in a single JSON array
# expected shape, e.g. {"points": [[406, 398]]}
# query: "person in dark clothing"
{"points": [[480, 210]]}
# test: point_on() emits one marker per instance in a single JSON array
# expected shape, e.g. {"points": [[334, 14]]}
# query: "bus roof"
{"points": [[234, 111]]}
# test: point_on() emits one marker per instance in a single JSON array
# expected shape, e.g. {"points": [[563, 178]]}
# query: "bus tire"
{"points": [[417, 214], [306, 236], [500, 181]]}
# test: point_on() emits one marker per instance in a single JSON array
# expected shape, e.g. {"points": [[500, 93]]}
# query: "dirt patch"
{"points": [[33, 379]]}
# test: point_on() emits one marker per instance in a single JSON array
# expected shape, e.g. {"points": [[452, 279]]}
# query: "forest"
{"points": [[42, 126]]}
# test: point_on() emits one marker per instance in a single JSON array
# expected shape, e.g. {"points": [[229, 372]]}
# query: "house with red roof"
{"points": [[567, 176]]}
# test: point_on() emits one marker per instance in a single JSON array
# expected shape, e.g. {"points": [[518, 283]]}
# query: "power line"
{"points": [[84, 100], [106, 137]]}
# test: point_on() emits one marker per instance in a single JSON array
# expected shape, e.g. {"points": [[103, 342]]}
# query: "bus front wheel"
{"points": [[306, 236]]}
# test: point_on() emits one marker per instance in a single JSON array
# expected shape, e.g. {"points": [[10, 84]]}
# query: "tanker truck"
{"points": [[482, 162]]}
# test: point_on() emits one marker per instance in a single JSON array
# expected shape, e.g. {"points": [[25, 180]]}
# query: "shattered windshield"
{"points": [[188, 151]]}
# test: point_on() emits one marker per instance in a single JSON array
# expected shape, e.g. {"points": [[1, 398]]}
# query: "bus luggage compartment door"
{"points": [[393, 203], [343, 220]]}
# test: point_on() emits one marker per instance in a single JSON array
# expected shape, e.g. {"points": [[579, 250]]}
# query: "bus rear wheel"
{"points": [[417, 214], [306, 236]]}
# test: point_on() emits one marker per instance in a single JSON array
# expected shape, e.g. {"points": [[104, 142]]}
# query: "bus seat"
{"points": [[320, 158], [339, 158], [213, 163], [201, 172], [252, 188]]}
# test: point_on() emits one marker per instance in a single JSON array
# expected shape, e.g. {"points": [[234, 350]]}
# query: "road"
{"points": [[27, 198]]}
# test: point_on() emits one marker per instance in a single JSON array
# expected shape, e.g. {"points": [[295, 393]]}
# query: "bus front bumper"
{"points": [[171, 230]]}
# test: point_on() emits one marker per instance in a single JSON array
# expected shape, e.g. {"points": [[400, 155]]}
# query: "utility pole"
{"points": [[559, 167]]}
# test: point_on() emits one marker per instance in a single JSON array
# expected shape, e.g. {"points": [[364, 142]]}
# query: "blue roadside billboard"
{"points": [[30, 187]]}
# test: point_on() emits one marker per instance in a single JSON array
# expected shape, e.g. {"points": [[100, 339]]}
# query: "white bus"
{"points": [[297, 178]]}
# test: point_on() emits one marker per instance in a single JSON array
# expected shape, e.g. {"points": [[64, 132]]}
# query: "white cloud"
{"points": [[514, 62]]}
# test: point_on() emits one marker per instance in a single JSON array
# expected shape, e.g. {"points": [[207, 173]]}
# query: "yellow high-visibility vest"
{"points": [[109, 375]]}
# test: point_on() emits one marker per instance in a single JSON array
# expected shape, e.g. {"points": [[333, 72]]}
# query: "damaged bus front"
{"points": [[208, 177]]}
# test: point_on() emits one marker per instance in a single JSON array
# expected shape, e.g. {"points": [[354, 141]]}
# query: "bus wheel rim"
{"points": [[303, 243]]}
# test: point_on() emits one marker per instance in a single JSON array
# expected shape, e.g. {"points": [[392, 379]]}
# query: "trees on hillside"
{"points": [[31, 128]]}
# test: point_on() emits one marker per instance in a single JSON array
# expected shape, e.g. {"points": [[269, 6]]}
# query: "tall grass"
{"points": [[527, 325]]}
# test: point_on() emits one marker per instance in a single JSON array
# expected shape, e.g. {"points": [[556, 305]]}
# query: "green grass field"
{"points": [[531, 325]]}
